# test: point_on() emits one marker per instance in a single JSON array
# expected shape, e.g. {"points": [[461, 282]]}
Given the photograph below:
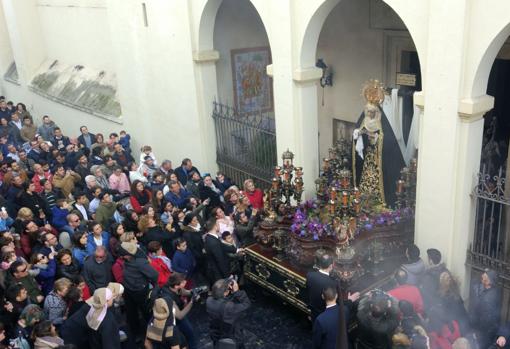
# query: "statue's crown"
{"points": [[373, 92]]}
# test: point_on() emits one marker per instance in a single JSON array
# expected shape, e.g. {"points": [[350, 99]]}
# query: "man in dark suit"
{"points": [[317, 281], [86, 139], [183, 172], [326, 327], [218, 263]]}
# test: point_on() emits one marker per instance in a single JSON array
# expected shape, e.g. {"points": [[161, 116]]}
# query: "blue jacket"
{"points": [[183, 262], [59, 217], [91, 244], [5, 224], [178, 201], [46, 277], [80, 255]]}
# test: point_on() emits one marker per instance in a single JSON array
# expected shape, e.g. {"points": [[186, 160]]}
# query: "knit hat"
{"points": [[492, 275], [129, 247], [116, 288], [98, 307], [156, 329]]}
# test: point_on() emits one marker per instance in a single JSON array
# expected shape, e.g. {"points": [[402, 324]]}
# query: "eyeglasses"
{"points": [[22, 271]]}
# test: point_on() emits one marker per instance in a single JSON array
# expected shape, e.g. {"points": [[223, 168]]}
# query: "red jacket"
{"points": [[137, 207], [118, 270], [446, 337], [162, 269], [256, 198], [411, 294]]}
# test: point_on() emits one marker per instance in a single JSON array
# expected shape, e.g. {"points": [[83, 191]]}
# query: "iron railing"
{"points": [[245, 144], [491, 241]]}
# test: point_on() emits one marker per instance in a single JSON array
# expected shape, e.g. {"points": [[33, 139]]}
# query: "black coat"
{"points": [[316, 282], [485, 310], [218, 263], [182, 174], [34, 202], [325, 327], [97, 275], [224, 314], [72, 271], [138, 273], [164, 237], [195, 242], [81, 140], [75, 330]]}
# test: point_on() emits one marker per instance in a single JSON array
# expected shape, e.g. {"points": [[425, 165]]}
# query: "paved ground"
{"points": [[269, 323]]}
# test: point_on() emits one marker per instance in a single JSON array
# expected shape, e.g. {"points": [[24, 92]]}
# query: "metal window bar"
{"points": [[491, 240], [246, 144]]}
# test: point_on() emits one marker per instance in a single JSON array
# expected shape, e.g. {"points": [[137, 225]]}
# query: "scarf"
{"points": [[161, 326], [98, 307], [165, 260]]}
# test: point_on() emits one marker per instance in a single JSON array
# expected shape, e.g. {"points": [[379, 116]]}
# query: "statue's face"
{"points": [[370, 113]]}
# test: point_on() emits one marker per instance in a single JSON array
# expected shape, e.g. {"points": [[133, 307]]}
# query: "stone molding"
{"points": [[473, 109], [206, 56], [306, 75]]}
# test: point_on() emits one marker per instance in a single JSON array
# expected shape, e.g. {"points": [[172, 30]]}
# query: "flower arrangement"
{"points": [[312, 221]]}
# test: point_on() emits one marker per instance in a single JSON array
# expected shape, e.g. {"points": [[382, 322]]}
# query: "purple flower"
{"points": [[368, 226]]}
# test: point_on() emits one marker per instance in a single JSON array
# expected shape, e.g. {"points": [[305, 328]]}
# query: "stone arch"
{"points": [[478, 86], [314, 26], [208, 20]]}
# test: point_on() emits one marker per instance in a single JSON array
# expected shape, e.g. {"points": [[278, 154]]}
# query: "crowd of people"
{"points": [[423, 309], [102, 250]]}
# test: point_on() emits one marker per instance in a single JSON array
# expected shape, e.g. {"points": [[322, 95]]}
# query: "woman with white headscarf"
{"points": [[94, 325]]}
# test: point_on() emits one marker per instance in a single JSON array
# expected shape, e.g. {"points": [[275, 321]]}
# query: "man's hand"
{"points": [[353, 297], [39, 298], [235, 286], [501, 341]]}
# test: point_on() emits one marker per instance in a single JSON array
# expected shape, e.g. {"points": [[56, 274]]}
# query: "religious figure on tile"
{"points": [[376, 156]]}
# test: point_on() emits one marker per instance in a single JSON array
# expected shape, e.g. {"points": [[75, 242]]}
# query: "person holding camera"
{"points": [[225, 306], [176, 291]]}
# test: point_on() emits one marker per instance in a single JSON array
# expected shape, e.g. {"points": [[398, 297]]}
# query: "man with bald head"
{"points": [[97, 269]]}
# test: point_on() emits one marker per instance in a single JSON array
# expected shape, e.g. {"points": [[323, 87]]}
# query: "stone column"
{"points": [[469, 147], [25, 32], [205, 77], [446, 155]]}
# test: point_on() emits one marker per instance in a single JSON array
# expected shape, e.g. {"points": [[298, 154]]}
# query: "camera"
{"points": [[197, 291]]}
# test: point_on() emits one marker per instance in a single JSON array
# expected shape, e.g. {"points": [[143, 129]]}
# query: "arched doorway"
{"points": [[243, 109], [362, 40]]}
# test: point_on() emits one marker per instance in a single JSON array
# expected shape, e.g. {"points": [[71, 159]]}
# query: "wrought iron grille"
{"points": [[491, 241], [245, 144]]}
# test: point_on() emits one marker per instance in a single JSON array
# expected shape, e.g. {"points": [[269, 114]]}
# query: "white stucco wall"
{"points": [[77, 32]]}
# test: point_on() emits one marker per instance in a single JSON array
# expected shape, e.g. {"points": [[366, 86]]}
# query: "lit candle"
{"points": [[326, 164], [400, 186], [275, 183], [299, 172], [357, 206], [345, 198], [299, 184], [331, 206], [332, 194]]}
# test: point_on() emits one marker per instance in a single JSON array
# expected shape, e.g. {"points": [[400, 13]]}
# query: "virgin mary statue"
{"points": [[376, 156]]}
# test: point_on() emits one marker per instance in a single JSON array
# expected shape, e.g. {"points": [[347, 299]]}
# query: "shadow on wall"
{"points": [[79, 87]]}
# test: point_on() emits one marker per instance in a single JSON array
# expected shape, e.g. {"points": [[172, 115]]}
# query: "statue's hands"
{"points": [[353, 297], [355, 133]]}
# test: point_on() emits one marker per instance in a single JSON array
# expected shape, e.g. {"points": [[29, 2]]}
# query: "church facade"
{"points": [[159, 65]]}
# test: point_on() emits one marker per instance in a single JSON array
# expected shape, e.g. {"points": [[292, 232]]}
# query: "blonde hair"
{"points": [[25, 213], [146, 148], [447, 285], [62, 283], [246, 182], [143, 223]]}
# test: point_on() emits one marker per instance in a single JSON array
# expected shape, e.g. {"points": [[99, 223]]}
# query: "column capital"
{"points": [[419, 99], [206, 56], [269, 70], [306, 75], [472, 109]]}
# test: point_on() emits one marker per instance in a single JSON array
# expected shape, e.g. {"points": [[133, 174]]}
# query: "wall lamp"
{"points": [[327, 73]]}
